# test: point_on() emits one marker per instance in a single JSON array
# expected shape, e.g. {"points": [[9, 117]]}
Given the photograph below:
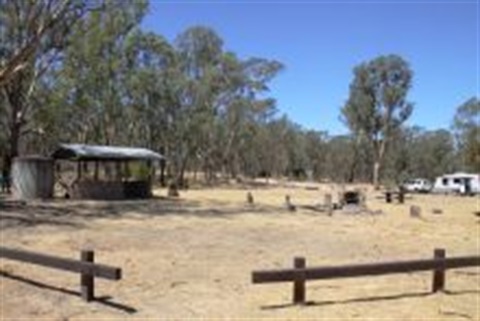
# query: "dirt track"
{"points": [[192, 258]]}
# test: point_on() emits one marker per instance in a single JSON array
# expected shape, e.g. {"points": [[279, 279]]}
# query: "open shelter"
{"points": [[105, 172]]}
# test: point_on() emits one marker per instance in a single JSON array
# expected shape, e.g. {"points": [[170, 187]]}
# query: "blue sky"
{"points": [[321, 41]]}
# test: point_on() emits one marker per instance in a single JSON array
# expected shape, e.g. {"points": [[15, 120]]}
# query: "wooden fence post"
{"points": [[299, 280], [87, 281], [388, 197], [401, 195], [438, 283], [328, 204]]}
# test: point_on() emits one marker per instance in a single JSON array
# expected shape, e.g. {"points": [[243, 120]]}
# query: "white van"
{"points": [[419, 185], [463, 183]]}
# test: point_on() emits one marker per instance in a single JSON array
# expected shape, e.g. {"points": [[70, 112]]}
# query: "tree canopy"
{"points": [[466, 125], [86, 72], [378, 103]]}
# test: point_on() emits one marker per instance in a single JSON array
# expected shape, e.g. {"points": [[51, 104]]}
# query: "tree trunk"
{"points": [[376, 173], [378, 164], [353, 168], [180, 172], [16, 124], [14, 143], [163, 182], [163, 165]]}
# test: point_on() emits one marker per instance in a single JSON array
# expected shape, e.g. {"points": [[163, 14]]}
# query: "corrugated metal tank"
{"points": [[33, 177]]}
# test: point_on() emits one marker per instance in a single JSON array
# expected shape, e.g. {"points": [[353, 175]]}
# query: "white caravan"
{"points": [[463, 183]]}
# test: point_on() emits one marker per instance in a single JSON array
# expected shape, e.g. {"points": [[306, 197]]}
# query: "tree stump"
{"points": [[388, 197], [363, 199], [415, 211], [401, 195], [328, 203], [173, 190], [250, 200], [288, 204]]}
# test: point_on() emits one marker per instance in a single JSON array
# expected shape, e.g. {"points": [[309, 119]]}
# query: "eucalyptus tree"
{"points": [[377, 103], [150, 81], [294, 143], [402, 159], [416, 152], [233, 115], [316, 153], [218, 100], [199, 50], [466, 125], [154, 85], [240, 106], [34, 34], [278, 135], [339, 159], [30, 28], [91, 83], [433, 154]]}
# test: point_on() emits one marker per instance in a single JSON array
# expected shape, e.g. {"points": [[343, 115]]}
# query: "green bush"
{"points": [[139, 171]]}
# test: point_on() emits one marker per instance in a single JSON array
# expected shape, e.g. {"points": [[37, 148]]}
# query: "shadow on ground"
{"points": [[370, 299], [76, 213], [105, 300]]}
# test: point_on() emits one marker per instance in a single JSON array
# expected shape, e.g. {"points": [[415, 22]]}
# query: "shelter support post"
{"points": [[79, 170], [95, 173]]}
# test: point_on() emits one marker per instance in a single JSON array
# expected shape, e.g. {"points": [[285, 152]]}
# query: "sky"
{"points": [[320, 42]]}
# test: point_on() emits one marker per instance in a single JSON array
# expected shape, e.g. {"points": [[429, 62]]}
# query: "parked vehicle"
{"points": [[462, 183], [418, 185]]}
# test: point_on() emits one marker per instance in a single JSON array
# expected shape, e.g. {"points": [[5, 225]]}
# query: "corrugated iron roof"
{"points": [[98, 152]]}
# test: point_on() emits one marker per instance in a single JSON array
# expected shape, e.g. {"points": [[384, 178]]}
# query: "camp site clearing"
{"points": [[192, 257]]}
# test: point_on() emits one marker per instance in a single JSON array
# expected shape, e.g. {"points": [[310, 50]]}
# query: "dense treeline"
{"points": [[85, 72]]}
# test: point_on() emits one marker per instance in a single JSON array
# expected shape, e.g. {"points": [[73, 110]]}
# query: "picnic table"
{"points": [[400, 195]]}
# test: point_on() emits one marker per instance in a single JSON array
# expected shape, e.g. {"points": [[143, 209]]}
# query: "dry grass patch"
{"points": [[192, 257]]}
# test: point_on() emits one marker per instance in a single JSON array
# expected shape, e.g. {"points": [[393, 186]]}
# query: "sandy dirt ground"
{"points": [[191, 258]]}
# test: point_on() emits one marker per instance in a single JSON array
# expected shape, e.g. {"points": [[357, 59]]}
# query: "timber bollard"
{"points": [[415, 211], [328, 204], [438, 283], [401, 195], [299, 281], [250, 200], [87, 281], [388, 197]]}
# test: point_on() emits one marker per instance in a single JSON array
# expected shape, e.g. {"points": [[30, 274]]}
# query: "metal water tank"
{"points": [[33, 177]]}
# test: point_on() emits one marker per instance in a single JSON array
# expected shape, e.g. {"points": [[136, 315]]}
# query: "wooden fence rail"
{"points": [[300, 273], [85, 266]]}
